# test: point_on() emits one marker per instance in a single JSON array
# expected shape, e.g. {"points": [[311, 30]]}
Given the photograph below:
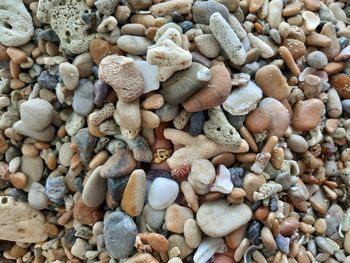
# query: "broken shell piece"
{"points": [[169, 57], [311, 20], [260, 163], [150, 75], [266, 190], [122, 75], [223, 183], [208, 247]]}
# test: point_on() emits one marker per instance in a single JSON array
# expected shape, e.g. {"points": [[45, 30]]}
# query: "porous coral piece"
{"points": [[65, 18], [218, 129], [169, 57], [214, 93], [199, 147], [266, 190], [122, 75], [16, 24], [99, 116], [181, 172]]}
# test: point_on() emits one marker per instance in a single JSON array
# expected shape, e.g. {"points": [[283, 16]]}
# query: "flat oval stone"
{"points": [[270, 79], [163, 193], [215, 218], [243, 100], [83, 100], [36, 114], [119, 233], [175, 218], [95, 189], [134, 45], [33, 167]]}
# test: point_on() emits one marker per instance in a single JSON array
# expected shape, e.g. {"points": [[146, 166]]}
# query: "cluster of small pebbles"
{"points": [[145, 131]]}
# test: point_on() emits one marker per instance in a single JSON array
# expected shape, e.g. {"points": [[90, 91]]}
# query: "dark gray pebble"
{"points": [[46, 80], [116, 187], [236, 176], [282, 243], [101, 91], [273, 204], [196, 123], [49, 35], [253, 231], [86, 143]]}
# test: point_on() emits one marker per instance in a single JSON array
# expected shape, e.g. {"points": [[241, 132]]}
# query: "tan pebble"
{"points": [[307, 114], [334, 67], [261, 213], [275, 227], [133, 29], [292, 9], [98, 159], [306, 228], [246, 157], [237, 193], [277, 158], [52, 161], [17, 84], [268, 239], [42, 145], [317, 40], [122, 13], [30, 150], [333, 50], [289, 225], [17, 251], [151, 32], [245, 133], [52, 49], [18, 180], [255, 5], [146, 20], [51, 229], [153, 102], [149, 119], [65, 217], [270, 144], [312, 5], [15, 69], [320, 226], [288, 60], [347, 242], [158, 242], [179, 242], [302, 256], [226, 159], [241, 249], [192, 233], [296, 47], [141, 258], [190, 195], [236, 201], [213, 196], [175, 218], [235, 238], [94, 129], [18, 56], [258, 120]]}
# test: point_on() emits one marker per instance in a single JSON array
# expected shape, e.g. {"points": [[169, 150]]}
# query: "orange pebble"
{"points": [[221, 258], [261, 213]]}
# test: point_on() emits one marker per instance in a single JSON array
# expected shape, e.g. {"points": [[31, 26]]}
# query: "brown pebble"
{"points": [[100, 48], [312, 5], [17, 251], [341, 82], [248, 157], [261, 213], [15, 70], [3, 53], [320, 226], [18, 180], [153, 102], [30, 150], [237, 193], [318, 40], [98, 159], [288, 60], [288, 226], [18, 56], [307, 114], [234, 239], [271, 80], [86, 215], [334, 67], [158, 242], [258, 120], [296, 47], [226, 159]]}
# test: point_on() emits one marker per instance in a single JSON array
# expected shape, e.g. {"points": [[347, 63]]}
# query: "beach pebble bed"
{"points": [[140, 131]]}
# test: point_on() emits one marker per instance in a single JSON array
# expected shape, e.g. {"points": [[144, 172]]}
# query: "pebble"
{"points": [[167, 112], [252, 183], [341, 82], [83, 100], [278, 88], [69, 74], [213, 217], [135, 193], [202, 175], [179, 241], [86, 144], [153, 218], [47, 81], [317, 60], [95, 189], [119, 164], [162, 193], [297, 143], [65, 155], [55, 188], [150, 75], [181, 214], [268, 239], [192, 233], [253, 231], [207, 44], [324, 245], [333, 218], [202, 11], [119, 234], [37, 114], [282, 243], [288, 226], [134, 45], [37, 197], [307, 114], [207, 249], [79, 248], [33, 168]]}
